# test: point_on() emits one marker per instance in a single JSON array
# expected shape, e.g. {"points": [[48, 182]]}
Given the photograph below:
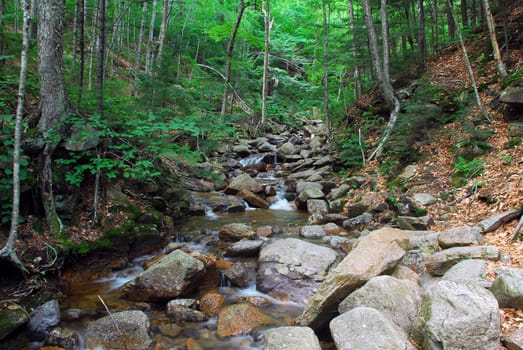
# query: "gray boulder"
{"points": [[469, 271], [422, 244], [244, 182], [508, 287], [415, 222], [313, 231], [367, 328], [399, 300], [173, 275], [461, 236], [43, 319], [494, 222], [456, 316], [180, 312], [513, 340], [133, 324], [291, 338], [439, 263], [292, 269], [244, 247], [424, 199], [241, 274], [339, 192], [12, 318], [372, 255], [236, 232]]}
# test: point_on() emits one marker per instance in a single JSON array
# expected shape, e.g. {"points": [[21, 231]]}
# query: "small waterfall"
{"points": [[209, 213], [252, 160], [281, 203]]}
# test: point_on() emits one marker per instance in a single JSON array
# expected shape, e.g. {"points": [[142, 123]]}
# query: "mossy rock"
{"points": [[11, 317]]}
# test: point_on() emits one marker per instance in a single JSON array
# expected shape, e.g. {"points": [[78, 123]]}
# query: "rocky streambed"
{"points": [[320, 270]]}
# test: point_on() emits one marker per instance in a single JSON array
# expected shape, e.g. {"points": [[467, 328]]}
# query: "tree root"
{"points": [[10, 255]]}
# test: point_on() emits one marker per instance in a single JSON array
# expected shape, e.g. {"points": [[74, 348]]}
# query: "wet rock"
{"points": [[494, 222], [133, 334], [241, 274], [240, 319], [424, 199], [12, 316], [180, 312], [211, 303], [236, 232], [469, 271], [458, 316], [173, 275], [292, 269], [265, 231], [245, 248], [170, 329], [367, 328], [415, 223], [399, 300], [43, 319], [291, 338], [372, 255], [253, 199], [461, 236], [440, 262], [513, 340], [243, 182], [65, 338], [508, 287], [313, 231]]}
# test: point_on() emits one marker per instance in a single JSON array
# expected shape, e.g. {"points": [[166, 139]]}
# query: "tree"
{"points": [[326, 15], [495, 47], [51, 17], [139, 50], [8, 251], [268, 22], [228, 56], [149, 54]]}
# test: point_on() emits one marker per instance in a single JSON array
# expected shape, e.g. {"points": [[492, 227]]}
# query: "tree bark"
{"points": [[495, 47], [139, 51], [326, 65], [163, 28], [8, 251], [100, 58], [228, 57], [149, 47], [422, 46], [266, 8], [81, 42], [450, 20], [356, 75], [51, 17]]}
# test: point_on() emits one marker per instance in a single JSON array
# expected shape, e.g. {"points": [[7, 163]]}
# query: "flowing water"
{"points": [[83, 293]]}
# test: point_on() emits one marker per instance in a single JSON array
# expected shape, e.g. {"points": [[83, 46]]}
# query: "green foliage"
{"points": [[512, 143], [465, 170], [506, 158], [350, 151]]}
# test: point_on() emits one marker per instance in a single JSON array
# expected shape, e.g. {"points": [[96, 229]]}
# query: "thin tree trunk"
{"points": [[32, 23], [100, 57], [139, 51], [494, 40], [471, 72], [464, 14], [8, 251], [326, 14], [356, 75], [94, 47], [422, 46], [148, 50], [385, 38], [450, 20], [82, 53], [228, 57], [505, 4], [435, 27], [163, 28], [266, 8]]}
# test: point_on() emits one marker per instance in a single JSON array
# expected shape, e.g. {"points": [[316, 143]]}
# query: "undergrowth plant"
{"points": [[465, 170]]}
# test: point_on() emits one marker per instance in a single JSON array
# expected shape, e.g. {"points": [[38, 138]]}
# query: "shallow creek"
{"points": [[84, 293]]}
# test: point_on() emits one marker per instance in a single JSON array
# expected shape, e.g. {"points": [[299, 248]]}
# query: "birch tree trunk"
{"points": [[326, 66], [163, 28], [356, 75], [495, 47], [8, 251], [228, 57], [139, 51], [148, 50], [266, 8], [81, 42], [469, 69], [100, 54]]}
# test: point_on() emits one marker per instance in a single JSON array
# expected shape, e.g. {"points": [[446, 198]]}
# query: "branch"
{"points": [[114, 322], [518, 228]]}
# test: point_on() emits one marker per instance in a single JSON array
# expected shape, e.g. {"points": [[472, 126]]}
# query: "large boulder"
{"points": [[397, 299], [236, 232], [174, 275], [461, 236], [293, 269], [372, 255], [244, 182], [469, 271], [240, 319], [457, 316], [367, 328], [43, 319], [508, 287], [439, 263], [291, 338], [12, 317], [131, 333]]}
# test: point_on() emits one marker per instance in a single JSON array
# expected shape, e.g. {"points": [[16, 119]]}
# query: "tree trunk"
{"points": [[469, 68], [505, 4], [356, 75], [266, 8], [228, 57], [8, 251], [422, 46], [51, 17], [148, 50], [494, 40], [450, 20], [139, 51], [81, 42], [100, 58], [435, 27], [326, 65], [163, 28], [464, 15]]}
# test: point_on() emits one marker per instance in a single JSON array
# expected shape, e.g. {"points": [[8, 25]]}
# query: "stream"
{"points": [[83, 294]]}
